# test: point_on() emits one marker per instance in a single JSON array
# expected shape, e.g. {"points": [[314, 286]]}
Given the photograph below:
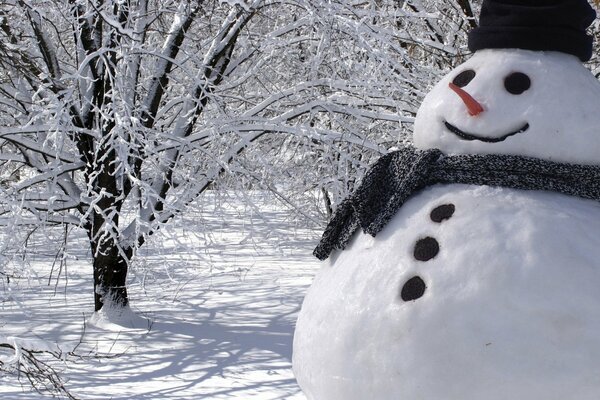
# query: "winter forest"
{"points": [[167, 167]]}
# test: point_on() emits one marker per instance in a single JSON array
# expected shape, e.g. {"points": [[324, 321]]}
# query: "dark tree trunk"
{"points": [[110, 258], [110, 276], [465, 5], [328, 203]]}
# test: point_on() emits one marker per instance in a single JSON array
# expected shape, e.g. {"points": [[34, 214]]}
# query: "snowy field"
{"points": [[219, 291]]}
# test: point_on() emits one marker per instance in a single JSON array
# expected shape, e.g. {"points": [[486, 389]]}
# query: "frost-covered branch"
{"points": [[119, 115], [34, 361]]}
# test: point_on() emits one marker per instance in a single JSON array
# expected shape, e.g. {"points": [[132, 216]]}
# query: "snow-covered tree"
{"points": [[117, 114], [105, 125]]}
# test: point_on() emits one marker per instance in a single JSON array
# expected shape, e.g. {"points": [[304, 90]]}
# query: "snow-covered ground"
{"points": [[220, 290]]}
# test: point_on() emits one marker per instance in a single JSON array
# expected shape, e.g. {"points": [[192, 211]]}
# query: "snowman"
{"points": [[467, 267]]}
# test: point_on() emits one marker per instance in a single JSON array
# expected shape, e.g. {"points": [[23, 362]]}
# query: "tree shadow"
{"points": [[231, 351]]}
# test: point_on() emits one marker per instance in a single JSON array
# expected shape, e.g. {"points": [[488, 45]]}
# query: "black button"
{"points": [[426, 249], [413, 289], [442, 212]]}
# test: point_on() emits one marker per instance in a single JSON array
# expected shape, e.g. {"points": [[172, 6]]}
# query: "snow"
{"points": [[117, 319], [510, 309], [560, 108], [214, 299]]}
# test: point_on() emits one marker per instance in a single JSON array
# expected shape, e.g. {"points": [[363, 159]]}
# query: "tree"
{"points": [[119, 114], [87, 84]]}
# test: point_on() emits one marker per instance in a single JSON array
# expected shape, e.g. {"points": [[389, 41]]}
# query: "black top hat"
{"points": [[551, 25]]}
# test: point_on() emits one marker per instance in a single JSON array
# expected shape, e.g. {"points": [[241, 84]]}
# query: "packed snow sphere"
{"points": [[467, 266], [532, 103]]}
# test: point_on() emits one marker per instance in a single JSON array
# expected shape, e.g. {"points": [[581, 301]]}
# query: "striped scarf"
{"points": [[398, 175]]}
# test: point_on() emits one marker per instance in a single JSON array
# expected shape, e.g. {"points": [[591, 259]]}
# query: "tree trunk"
{"points": [[328, 203], [110, 275]]}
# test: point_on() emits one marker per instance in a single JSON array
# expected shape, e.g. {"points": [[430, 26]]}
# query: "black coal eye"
{"points": [[463, 79], [517, 83]]}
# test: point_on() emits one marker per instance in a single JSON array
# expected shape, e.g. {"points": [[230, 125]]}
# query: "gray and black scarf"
{"points": [[398, 175]]}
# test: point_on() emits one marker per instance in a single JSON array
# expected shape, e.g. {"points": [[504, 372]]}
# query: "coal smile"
{"points": [[469, 136]]}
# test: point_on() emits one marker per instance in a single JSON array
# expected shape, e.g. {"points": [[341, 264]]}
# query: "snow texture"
{"points": [[116, 319]]}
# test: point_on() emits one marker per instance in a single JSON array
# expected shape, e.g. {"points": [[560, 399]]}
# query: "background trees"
{"points": [[116, 115]]}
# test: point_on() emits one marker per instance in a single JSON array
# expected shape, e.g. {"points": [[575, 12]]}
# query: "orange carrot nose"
{"points": [[472, 105]]}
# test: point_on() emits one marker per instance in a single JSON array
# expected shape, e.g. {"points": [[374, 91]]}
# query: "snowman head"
{"points": [[517, 94]]}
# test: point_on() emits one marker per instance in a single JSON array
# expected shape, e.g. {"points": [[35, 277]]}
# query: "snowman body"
{"points": [[509, 309], [472, 292]]}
